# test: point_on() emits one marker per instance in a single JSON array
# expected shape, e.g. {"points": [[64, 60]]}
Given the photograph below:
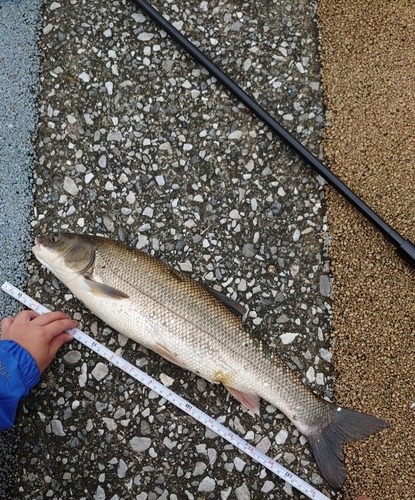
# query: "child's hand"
{"points": [[42, 336]]}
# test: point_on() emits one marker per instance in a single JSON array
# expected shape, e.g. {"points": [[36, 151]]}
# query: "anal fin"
{"points": [[250, 401]]}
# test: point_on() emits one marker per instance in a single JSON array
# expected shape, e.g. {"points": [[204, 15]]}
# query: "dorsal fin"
{"points": [[231, 304]]}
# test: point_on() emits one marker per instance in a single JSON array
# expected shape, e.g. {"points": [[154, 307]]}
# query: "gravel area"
{"points": [[139, 143], [19, 72], [368, 66], [19, 84]]}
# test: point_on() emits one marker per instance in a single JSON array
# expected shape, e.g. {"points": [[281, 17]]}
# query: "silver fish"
{"points": [[201, 331]]}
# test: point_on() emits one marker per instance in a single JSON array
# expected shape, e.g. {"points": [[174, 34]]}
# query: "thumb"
{"points": [[58, 341]]}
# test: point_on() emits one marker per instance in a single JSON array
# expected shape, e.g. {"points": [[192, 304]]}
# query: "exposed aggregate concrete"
{"points": [[139, 143]]}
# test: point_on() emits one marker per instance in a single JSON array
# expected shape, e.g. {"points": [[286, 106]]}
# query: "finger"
{"points": [[58, 342], [49, 318], [26, 316], [59, 326], [6, 323]]}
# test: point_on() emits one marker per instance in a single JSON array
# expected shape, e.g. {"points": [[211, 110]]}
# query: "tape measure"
{"points": [[175, 399]]}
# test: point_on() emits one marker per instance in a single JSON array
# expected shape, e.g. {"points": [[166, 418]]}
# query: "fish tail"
{"points": [[342, 426]]}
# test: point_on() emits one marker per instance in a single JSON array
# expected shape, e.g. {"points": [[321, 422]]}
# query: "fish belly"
{"points": [[163, 333]]}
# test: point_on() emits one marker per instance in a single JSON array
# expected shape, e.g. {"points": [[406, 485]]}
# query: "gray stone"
{"points": [[57, 428], [100, 371], [325, 285], [207, 484], [242, 493], [140, 444]]}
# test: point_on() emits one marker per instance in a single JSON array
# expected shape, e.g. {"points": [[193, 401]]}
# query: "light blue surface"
{"points": [[20, 22]]}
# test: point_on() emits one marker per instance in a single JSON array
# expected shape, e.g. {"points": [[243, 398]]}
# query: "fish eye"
{"points": [[54, 238]]}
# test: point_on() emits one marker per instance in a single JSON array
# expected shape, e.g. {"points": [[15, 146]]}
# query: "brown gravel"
{"points": [[368, 55]]}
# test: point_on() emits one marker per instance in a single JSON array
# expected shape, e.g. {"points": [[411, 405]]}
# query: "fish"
{"points": [[200, 330]]}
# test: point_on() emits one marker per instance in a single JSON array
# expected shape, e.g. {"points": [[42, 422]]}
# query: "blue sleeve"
{"points": [[18, 374]]}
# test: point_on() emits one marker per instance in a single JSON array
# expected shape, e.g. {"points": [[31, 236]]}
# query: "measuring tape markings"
{"points": [[175, 399]]}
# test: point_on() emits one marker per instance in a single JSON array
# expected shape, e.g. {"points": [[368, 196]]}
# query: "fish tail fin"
{"points": [[344, 426]]}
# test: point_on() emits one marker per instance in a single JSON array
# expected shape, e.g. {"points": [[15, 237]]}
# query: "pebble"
{"points": [[268, 486], [237, 134], [102, 161], [57, 428], [296, 235], [235, 215], [281, 437], [72, 357], [100, 371], [85, 77], [264, 445], [289, 458], [206, 485], [70, 186], [83, 376], [100, 494], [145, 37], [122, 469], [199, 469], [110, 88], [325, 285], [166, 380], [140, 444], [242, 492], [311, 376], [239, 464], [110, 423], [248, 250], [212, 454], [325, 354], [114, 136], [287, 338], [283, 318], [169, 443]]}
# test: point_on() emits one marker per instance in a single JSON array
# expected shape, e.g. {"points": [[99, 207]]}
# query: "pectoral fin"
{"points": [[102, 290], [251, 401]]}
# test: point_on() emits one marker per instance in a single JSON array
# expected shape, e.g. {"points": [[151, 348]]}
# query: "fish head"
{"points": [[66, 255]]}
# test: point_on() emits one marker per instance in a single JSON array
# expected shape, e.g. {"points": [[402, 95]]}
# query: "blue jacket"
{"points": [[18, 374]]}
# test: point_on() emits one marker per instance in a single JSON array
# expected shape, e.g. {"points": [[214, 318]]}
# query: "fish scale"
{"points": [[165, 294], [175, 316]]}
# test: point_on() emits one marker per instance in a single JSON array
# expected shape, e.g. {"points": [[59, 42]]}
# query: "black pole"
{"points": [[404, 247]]}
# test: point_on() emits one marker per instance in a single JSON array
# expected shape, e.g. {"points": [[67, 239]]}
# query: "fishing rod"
{"points": [[404, 247]]}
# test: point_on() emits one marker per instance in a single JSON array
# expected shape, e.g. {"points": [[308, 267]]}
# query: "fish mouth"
{"points": [[37, 247]]}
